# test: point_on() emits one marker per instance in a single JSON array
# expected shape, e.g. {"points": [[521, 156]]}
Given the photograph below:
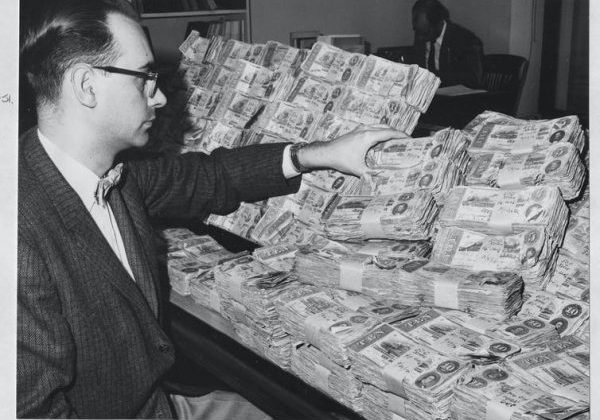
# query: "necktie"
{"points": [[105, 183], [431, 58]]}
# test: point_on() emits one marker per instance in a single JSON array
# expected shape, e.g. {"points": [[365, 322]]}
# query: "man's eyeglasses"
{"points": [[150, 86]]}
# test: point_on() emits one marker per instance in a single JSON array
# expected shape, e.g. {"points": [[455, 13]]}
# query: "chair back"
{"points": [[505, 74]]}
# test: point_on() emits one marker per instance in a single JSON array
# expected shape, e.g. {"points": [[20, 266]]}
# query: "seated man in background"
{"points": [[90, 339], [450, 51]]}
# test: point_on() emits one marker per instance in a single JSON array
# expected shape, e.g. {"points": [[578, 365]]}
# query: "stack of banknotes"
{"points": [[388, 360], [498, 212], [404, 215], [412, 281], [487, 392], [247, 290], [314, 367], [558, 164], [492, 130], [532, 253]]}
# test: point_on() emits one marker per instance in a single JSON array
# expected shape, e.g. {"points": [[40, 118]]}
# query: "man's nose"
{"points": [[158, 100]]}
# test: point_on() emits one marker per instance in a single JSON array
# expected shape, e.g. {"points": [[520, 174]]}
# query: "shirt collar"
{"points": [[440, 38], [79, 177]]}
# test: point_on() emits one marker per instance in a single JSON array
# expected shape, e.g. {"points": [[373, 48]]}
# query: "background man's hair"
{"points": [[433, 9], [56, 34]]}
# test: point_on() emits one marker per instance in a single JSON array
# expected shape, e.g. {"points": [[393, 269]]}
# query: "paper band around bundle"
{"points": [[351, 274], [214, 300], [445, 293], [322, 376], [235, 287], [494, 410], [370, 222], [397, 405], [314, 326], [393, 376]]}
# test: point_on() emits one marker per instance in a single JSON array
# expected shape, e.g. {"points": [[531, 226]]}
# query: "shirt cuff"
{"points": [[287, 167]]}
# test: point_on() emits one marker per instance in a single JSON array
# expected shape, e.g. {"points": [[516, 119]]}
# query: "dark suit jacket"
{"points": [[461, 57], [90, 343]]}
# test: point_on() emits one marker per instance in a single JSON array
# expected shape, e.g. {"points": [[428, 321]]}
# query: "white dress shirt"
{"points": [[84, 182], [438, 47]]}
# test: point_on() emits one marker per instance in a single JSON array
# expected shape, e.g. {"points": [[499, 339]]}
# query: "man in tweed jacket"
{"points": [[90, 342]]}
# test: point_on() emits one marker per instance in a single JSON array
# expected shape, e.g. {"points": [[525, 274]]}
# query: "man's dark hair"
{"points": [[435, 11], [56, 34]]}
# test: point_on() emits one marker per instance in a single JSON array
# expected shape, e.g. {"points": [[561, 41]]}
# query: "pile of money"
{"points": [[495, 131], [577, 237], [213, 135], [432, 329], [489, 392], [571, 278], [191, 257], [314, 367], [241, 222], [576, 351], [412, 281], [278, 56], [204, 292], [330, 126], [407, 215], [389, 79], [567, 315], [529, 253], [408, 152], [494, 211], [526, 332], [391, 362], [280, 257], [436, 176], [552, 373], [247, 289], [377, 404], [558, 164], [493, 294], [398, 250]]}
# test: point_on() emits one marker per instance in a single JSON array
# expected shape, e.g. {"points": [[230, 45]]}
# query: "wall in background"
{"points": [[383, 23], [504, 26]]}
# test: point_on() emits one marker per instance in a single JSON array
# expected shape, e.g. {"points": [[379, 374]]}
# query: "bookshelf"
{"points": [[169, 21]]}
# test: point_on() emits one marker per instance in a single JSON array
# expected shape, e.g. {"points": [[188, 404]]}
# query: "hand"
{"points": [[347, 153]]}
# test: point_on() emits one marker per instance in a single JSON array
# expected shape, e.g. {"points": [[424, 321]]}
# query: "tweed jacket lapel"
{"points": [[79, 222], [130, 223]]}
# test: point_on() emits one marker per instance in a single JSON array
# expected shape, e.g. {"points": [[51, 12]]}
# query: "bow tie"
{"points": [[105, 183]]}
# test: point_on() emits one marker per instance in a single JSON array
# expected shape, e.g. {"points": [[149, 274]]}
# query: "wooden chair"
{"points": [[504, 77]]}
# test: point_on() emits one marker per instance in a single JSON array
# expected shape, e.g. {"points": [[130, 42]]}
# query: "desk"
{"points": [[208, 339], [458, 111]]}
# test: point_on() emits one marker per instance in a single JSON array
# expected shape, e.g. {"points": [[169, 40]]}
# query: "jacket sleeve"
{"points": [[193, 185], [45, 348], [466, 63]]}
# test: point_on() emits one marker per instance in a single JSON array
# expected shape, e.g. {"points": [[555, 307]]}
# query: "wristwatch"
{"points": [[294, 157]]}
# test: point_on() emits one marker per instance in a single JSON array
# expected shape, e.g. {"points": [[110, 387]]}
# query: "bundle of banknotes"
{"points": [[247, 289], [407, 152], [314, 367], [412, 281], [557, 164], [390, 361], [404, 215], [191, 257], [487, 392], [495, 131], [498, 212], [437, 176], [531, 252]]}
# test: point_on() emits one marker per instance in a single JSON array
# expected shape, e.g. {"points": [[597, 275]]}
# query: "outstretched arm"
{"points": [[346, 153]]}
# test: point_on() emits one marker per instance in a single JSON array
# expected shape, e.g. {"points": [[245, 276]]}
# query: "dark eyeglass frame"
{"points": [[150, 77]]}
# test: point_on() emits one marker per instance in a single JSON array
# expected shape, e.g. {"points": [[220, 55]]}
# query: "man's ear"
{"points": [[82, 81]]}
